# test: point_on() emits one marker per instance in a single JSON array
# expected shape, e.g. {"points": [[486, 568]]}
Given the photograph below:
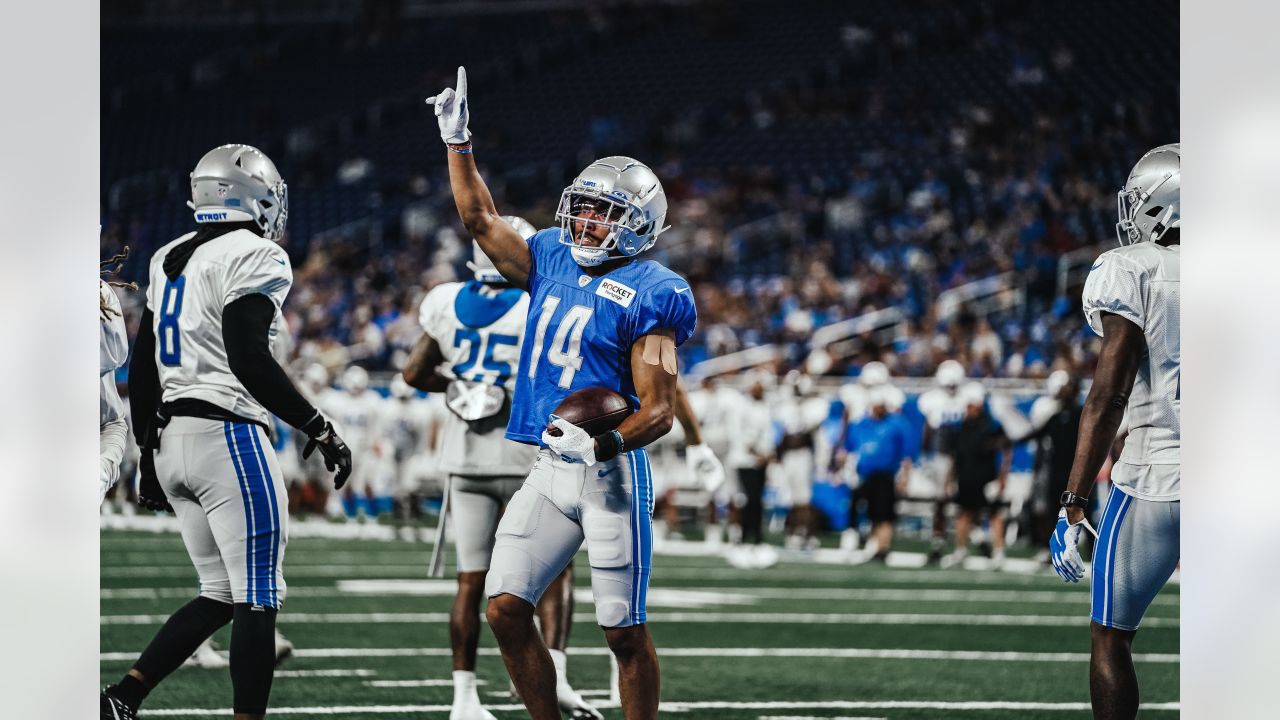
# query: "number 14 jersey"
{"points": [[581, 328]]}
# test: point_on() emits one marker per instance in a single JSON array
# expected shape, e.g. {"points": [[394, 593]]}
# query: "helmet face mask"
{"points": [[1148, 204], [238, 183], [617, 196]]}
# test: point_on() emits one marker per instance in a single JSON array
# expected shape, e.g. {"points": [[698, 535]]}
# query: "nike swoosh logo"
{"points": [[1096, 266], [602, 473], [680, 290], [278, 260]]}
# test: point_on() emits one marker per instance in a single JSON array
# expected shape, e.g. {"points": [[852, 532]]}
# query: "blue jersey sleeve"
{"points": [[670, 305], [540, 244]]}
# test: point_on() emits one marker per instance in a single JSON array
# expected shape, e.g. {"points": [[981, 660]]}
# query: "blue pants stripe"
{"points": [[249, 516], [641, 532], [260, 533], [646, 534], [274, 511], [1126, 503], [1104, 554]]}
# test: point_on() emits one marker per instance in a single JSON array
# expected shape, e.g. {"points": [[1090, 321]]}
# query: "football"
{"points": [[594, 409]]}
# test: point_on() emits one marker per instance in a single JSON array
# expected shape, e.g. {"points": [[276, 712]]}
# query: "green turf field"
{"points": [[799, 640]]}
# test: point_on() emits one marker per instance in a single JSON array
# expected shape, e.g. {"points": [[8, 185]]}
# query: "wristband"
{"points": [[315, 426], [462, 148], [610, 444]]}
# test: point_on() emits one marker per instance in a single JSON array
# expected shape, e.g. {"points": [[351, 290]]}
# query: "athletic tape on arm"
{"points": [[660, 350]]}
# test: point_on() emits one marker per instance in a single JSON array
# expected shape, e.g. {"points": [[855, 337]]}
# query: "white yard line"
{"points": [[430, 682], [682, 707], [794, 652], [754, 618], [820, 717], [447, 588], [328, 673]]}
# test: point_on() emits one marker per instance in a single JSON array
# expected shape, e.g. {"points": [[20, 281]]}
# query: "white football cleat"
{"points": [[284, 648], [206, 657], [573, 704], [470, 711], [763, 556]]}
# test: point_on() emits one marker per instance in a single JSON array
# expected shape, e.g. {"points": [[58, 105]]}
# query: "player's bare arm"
{"points": [[684, 415], [422, 371], [500, 241], [653, 369], [1122, 348]]}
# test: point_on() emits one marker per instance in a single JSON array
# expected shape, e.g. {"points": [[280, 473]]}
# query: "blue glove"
{"points": [[1064, 547]]}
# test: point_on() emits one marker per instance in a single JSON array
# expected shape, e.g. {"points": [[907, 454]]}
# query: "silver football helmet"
{"points": [[1148, 203], [949, 374], [874, 373], [622, 194], [235, 183], [482, 267]]}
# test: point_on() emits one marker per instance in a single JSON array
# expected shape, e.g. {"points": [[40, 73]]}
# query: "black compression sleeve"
{"points": [[144, 378], [246, 326]]}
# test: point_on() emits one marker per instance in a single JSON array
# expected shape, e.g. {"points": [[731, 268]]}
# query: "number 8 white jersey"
{"points": [[480, 330], [1139, 282], [190, 356]]}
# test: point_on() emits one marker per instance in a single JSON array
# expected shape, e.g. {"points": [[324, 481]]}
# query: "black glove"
{"points": [[150, 495], [336, 454]]}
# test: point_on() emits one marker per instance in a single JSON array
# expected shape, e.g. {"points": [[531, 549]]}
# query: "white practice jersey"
{"points": [[356, 416], [715, 409], [113, 338], [940, 407], [406, 423], [188, 315], [751, 432], [1139, 282], [479, 330]]}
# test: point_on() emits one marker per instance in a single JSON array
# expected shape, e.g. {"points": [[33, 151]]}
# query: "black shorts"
{"points": [[970, 496], [881, 494]]}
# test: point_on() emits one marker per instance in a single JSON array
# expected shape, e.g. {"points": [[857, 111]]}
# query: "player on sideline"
{"points": [[469, 351], [1131, 299], [598, 318], [113, 351], [202, 385]]}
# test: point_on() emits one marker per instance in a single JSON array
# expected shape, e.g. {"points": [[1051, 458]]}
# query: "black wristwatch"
{"points": [[1070, 499]]}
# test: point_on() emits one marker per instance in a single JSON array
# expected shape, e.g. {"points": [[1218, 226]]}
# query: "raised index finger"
{"points": [[462, 81]]}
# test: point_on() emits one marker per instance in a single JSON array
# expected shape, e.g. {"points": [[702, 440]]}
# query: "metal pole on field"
{"points": [[435, 568]]}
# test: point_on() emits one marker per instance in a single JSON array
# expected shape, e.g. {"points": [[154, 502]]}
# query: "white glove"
{"points": [[1064, 548], [108, 473], [705, 466], [451, 111], [573, 444]]}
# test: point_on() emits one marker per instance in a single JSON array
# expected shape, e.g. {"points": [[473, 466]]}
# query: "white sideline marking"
{"points": [[447, 588], [802, 652], [817, 717], [336, 672], [431, 682], [683, 707], [758, 618]]}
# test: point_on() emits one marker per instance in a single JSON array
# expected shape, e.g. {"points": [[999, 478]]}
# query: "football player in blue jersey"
{"points": [[598, 317]]}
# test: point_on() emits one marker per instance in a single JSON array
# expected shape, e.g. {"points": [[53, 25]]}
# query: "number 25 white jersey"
{"points": [[1139, 282], [479, 330], [188, 315]]}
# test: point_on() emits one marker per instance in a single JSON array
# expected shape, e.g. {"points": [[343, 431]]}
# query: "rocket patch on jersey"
{"points": [[616, 292]]}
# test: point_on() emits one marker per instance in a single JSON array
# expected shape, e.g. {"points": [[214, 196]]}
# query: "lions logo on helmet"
{"points": [[238, 183], [620, 193], [1147, 205]]}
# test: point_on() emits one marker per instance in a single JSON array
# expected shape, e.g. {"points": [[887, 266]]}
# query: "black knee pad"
{"points": [[253, 657]]}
